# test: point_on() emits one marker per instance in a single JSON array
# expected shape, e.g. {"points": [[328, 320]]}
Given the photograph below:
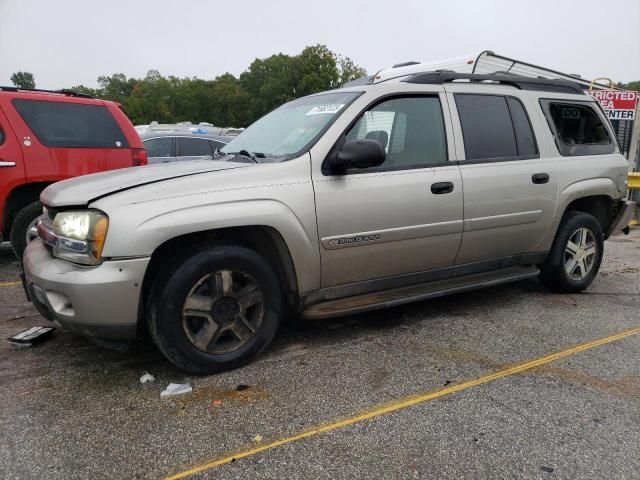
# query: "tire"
{"points": [[554, 273], [21, 224], [201, 280]]}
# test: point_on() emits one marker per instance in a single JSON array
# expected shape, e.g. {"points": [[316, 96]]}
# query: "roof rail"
{"points": [[64, 91], [518, 81]]}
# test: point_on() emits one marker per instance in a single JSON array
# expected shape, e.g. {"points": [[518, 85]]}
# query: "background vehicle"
{"points": [[383, 193], [183, 144], [50, 136]]}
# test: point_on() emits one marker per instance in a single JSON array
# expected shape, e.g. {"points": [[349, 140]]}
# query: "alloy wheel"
{"points": [[580, 253], [223, 312]]}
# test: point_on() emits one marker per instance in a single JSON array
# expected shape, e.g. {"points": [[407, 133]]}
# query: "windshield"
{"points": [[290, 128]]}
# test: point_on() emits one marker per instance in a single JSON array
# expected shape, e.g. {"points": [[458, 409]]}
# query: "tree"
{"points": [[227, 100], [23, 80], [635, 85]]}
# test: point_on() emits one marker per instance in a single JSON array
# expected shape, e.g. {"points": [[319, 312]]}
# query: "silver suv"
{"points": [[392, 191]]}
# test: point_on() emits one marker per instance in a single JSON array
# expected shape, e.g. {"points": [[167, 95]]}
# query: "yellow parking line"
{"points": [[8, 284], [405, 402]]}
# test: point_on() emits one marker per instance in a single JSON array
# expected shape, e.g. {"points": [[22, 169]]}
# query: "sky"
{"points": [[70, 42]]}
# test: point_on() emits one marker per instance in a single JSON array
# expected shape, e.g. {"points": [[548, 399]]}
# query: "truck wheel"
{"points": [[23, 228], [215, 309], [576, 254]]}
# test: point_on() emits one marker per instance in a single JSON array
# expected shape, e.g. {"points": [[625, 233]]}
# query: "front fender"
{"points": [[150, 233]]}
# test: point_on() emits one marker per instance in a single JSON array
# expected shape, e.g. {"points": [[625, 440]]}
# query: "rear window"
{"points": [[159, 147], [495, 127], [578, 129], [71, 125]]}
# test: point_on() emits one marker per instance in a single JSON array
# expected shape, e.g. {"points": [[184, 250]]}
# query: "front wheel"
{"points": [[23, 228], [215, 309], [576, 254]]}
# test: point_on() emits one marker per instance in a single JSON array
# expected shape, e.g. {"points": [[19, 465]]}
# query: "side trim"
{"points": [[387, 283], [391, 235], [506, 220], [403, 295]]}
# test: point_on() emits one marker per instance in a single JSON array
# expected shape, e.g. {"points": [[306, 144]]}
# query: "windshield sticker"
{"points": [[320, 109]]}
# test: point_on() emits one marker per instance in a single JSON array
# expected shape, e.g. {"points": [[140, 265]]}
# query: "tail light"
{"points": [[138, 157]]}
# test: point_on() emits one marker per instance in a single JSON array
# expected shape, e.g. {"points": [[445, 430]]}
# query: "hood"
{"points": [[80, 191]]}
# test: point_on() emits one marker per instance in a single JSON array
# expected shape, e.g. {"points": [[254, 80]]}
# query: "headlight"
{"points": [[81, 236]]}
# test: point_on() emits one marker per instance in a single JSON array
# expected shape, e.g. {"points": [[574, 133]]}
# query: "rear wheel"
{"points": [[215, 309], [576, 254], [23, 228]]}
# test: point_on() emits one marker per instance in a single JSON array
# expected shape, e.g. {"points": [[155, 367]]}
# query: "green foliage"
{"points": [[227, 100], [635, 85], [23, 80]]}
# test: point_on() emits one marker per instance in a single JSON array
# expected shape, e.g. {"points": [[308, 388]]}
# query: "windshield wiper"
{"points": [[246, 153]]}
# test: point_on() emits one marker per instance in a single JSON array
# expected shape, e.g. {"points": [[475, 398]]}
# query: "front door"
{"points": [[402, 217]]}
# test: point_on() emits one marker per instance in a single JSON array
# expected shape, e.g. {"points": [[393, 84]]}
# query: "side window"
{"points": [[159, 147], [578, 129], [194, 147], [71, 125], [525, 140], [410, 129], [495, 127], [1, 136]]}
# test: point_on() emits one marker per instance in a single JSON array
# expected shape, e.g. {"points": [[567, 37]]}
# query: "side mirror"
{"points": [[363, 153]]}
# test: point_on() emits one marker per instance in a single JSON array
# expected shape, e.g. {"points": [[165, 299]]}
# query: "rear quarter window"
{"points": [[577, 128], [71, 125]]}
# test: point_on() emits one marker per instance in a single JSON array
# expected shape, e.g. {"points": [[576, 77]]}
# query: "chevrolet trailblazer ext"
{"points": [[373, 195]]}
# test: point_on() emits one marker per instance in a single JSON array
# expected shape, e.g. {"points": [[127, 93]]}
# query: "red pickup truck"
{"points": [[47, 136]]}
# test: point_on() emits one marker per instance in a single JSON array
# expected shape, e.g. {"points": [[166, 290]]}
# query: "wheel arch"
{"points": [[18, 198], [265, 240]]}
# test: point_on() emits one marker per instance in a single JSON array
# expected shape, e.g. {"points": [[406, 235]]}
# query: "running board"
{"points": [[414, 293]]}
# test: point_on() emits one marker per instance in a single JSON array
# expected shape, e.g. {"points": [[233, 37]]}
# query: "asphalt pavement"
{"points": [[458, 387]]}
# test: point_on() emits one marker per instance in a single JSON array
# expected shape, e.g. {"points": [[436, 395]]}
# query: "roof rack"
{"points": [[518, 81], [486, 62], [64, 91]]}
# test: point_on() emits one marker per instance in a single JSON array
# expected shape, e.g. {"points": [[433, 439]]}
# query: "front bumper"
{"points": [[100, 301]]}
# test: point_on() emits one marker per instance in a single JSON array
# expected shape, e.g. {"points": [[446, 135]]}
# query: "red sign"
{"points": [[617, 104]]}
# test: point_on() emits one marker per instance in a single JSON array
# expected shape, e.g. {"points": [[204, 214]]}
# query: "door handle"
{"points": [[540, 178], [7, 164], [441, 187]]}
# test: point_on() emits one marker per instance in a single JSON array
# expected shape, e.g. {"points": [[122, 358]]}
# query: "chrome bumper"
{"points": [[100, 301], [625, 215]]}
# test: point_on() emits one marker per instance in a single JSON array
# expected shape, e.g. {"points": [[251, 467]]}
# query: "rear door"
{"points": [[510, 191], [193, 148], [11, 164]]}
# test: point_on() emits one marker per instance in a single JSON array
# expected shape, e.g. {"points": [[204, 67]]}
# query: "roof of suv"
{"points": [[183, 133]]}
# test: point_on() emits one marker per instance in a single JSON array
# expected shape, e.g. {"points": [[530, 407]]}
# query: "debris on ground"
{"points": [[176, 389], [257, 438], [242, 387], [216, 403], [147, 377], [32, 336]]}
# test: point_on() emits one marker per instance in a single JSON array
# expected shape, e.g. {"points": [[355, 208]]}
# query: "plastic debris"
{"points": [[216, 403], [147, 377], [32, 336], [257, 438], [176, 389]]}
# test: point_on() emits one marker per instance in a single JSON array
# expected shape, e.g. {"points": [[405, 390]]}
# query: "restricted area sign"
{"points": [[617, 104]]}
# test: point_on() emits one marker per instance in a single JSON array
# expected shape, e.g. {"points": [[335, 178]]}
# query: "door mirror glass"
{"points": [[359, 153]]}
